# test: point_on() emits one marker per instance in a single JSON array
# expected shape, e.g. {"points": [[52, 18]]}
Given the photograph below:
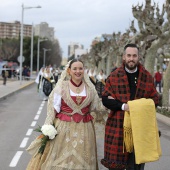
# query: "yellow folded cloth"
{"points": [[141, 131]]}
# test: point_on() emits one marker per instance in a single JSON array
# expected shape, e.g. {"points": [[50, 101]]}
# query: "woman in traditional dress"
{"points": [[92, 75], [69, 108], [100, 83], [46, 83]]}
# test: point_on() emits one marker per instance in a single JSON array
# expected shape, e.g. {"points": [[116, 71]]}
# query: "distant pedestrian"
{"points": [[46, 82], [100, 83], [158, 79], [92, 75], [5, 74], [164, 66]]}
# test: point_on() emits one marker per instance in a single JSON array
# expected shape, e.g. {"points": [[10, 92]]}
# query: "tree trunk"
{"points": [[103, 65], [151, 55], [166, 87], [108, 68]]}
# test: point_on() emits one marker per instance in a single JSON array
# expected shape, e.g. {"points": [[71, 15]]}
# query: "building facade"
{"points": [[72, 47], [44, 31], [12, 29]]}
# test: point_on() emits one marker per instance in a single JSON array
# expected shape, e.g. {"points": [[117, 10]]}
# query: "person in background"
{"points": [[47, 83], [129, 82], [5, 74], [56, 73], [158, 79], [38, 78], [92, 75], [86, 70], [69, 108], [164, 66], [100, 83]]}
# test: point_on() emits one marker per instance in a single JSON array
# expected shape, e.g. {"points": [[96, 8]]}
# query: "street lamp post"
{"points": [[38, 52], [45, 50], [32, 42], [21, 38]]}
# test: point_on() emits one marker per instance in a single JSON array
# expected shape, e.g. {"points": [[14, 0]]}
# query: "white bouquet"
{"points": [[48, 132]]}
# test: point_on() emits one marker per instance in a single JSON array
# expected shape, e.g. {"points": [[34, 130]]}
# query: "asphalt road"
{"points": [[20, 114]]}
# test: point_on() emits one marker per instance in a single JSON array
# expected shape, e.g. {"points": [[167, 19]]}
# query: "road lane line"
{"points": [[33, 123], [40, 108], [36, 117], [39, 112], [18, 154], [29, 132], [42, 104], [16, 159], [24, 142]]}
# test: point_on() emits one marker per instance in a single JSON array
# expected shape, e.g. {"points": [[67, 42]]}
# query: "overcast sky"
{"points": [[74, 20]]}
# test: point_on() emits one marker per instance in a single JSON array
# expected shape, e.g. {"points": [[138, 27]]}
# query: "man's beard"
{"points": [[131, 67]]}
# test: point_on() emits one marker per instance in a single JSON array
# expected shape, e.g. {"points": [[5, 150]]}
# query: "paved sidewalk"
{"points": [[12, 87]]}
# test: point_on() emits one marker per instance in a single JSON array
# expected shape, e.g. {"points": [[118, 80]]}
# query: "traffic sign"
{"points": [[23, 59]]}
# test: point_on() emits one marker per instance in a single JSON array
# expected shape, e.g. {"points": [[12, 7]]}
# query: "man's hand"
{"points": [[126, 107], [110, 97]]}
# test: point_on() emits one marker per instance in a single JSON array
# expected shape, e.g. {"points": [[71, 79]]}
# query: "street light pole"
{"points": [[21, 43], [45, 50], [32, 42], [38, 52], [21, 38]]}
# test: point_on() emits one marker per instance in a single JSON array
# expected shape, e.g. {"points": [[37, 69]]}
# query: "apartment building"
{"points": [[43, 30], [12, 29], [72, 47]]}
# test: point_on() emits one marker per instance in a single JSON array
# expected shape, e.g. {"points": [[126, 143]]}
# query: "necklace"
{"points": [[78, 98], [72, 82]]}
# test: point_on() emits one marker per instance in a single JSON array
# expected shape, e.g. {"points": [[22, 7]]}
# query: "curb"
{"points": [[16, 91], [163, 119]]}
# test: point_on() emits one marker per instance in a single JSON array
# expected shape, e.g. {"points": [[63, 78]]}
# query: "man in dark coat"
{"points": [[128, 82], [5, 74]]}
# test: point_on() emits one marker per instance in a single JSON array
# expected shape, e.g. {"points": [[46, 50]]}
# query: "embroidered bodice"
{"points": [[65, 112]]}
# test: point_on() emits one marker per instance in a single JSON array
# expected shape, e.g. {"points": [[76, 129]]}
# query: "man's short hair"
{"points": [[131, 45]]}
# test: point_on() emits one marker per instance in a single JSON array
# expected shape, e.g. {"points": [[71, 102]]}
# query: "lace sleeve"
{"points": [[50, 110], [57, 102], [97, 102]]}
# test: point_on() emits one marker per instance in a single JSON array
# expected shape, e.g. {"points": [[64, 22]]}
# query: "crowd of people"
{"points": [[128, 93]]}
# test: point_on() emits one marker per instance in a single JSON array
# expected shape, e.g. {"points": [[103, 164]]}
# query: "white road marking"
{"points": [[16, 159], [33, 123], [24, 142], [36, 117], [29, 132], [40, 108], [42, 104], [39, 112]]}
